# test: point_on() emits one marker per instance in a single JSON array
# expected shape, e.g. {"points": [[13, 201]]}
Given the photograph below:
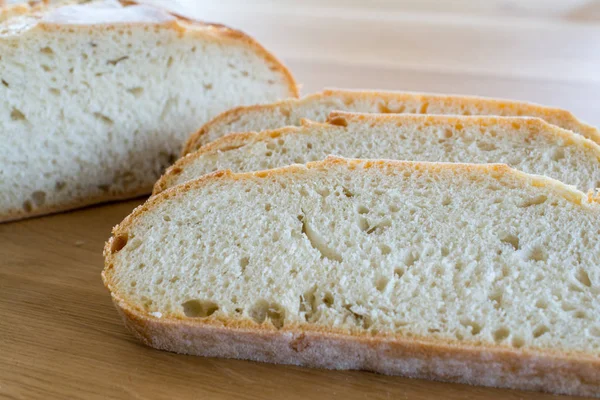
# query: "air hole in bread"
{"points": [[60, 185], [501, 334], [268, 153], [5, 83], [536, 253], [328, 299], [518, 342], [362, 210], [324, 192], [54, 91], [199, 308], [446, 201], [119, 242], [268, 207], [385, 249], [39, 198], [595, 331], [575, 288], [117, 60], [169, 106], [394, 208], [318, 242], [580, 314], [363, 224], [136, 91], [424, 107], [511, 240], [47, 50], [347, 192], [357, 318], [146, 302], [27, 206], [496, 298], [410, 259], [17, 115], [276, 314], [338, 121], [516, 125], [540, 330], [399, 272], [103, 118], [558, 154], [382, 284], [486, 146], [536, 201], [262, 311], [583, 277], [472, 326], [208, 86], [380, 227]]}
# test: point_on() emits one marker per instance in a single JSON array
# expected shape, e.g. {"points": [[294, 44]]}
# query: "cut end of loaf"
{"points": [[416, 257], [318, 105], [116, 145]]}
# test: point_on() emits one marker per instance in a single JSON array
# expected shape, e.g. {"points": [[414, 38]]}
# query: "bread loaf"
{"points": [[99, 98], [465, 273], [528, 144], [317, 107]]}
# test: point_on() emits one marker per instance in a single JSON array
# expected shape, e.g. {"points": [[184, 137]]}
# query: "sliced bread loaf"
{"points": [[466, 273], [317, 106], [99, 98], [528, 144]]}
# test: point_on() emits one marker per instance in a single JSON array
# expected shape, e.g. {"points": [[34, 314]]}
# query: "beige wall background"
{"points": [[544, 51]]}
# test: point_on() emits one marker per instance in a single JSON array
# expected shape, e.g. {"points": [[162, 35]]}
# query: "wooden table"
{"points": [[60, 336]]}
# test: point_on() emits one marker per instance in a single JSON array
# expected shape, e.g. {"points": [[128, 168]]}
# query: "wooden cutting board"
{"points": [[60, 336]]}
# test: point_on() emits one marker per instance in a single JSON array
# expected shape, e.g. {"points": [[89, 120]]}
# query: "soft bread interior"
{"points": [[96, 110], [473, 254], [317, 106], [530, 145]]}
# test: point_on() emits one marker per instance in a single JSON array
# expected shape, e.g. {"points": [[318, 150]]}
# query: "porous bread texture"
{"points": [[469, 273], [98, 99], [528, 144], [317, 107]]}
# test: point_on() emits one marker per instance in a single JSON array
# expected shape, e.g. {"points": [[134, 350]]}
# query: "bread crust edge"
{"points": [[236, 140], [485, 365], [499, 367], [567, 119]]}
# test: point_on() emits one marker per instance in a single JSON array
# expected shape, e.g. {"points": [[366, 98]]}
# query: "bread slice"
{"points": [[317, 107], [99, 98], [467, 273], [528, 144]]}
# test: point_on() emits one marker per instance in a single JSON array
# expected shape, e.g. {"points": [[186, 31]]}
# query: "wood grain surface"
{"points": [[60, 336]]}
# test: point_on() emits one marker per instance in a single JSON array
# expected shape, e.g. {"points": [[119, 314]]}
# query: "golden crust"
{"points": [[236, 140], [472, 363], [200, 29], [555, 116], [74, 204], [413, 358]]}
